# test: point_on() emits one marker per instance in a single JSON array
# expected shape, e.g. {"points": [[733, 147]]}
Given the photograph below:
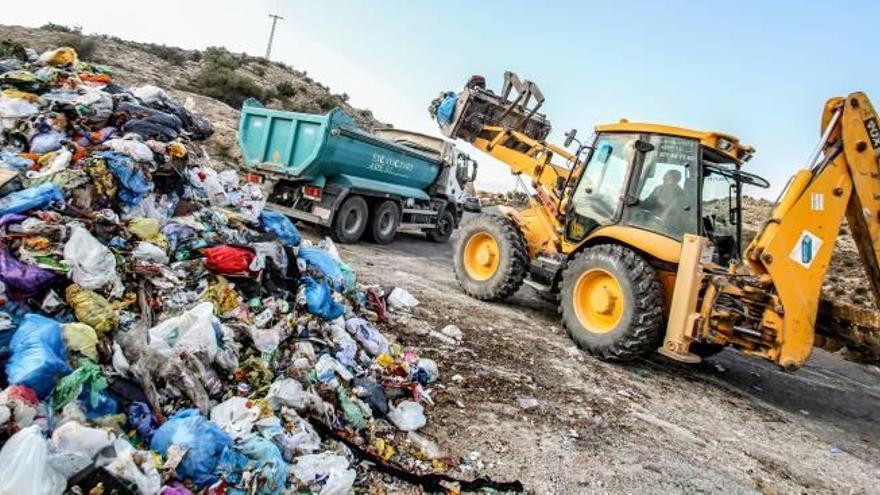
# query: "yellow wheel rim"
{"points": [[481, 256], [598, 300]]}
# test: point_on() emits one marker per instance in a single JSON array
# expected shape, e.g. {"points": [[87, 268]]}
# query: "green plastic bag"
{"points": [[71, 386]]}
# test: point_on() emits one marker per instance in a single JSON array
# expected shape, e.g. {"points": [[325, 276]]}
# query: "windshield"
{"points": [[596, 201], [666, 190]]}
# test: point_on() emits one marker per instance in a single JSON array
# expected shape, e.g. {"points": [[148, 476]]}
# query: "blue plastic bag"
{"points": [[317, 260], [133, 184], [140, 418], [278, 224], [38, 356], [12, 161], [256, 454], [204, 440], [319, 300], [31, 198], [446, 109]]}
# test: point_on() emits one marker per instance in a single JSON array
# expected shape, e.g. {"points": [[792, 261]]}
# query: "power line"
{"points": [[275, 19]]}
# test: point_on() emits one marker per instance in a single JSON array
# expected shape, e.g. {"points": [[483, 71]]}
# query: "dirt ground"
{"points": [[520, 401]]}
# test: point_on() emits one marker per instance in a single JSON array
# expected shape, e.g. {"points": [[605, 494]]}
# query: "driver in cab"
{"points": [[664, 199]]}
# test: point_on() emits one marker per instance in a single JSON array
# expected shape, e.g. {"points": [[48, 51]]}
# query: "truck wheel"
{"points": [[611, 303], [443, 231], [384, 222], [490, 258], [350, 220]]}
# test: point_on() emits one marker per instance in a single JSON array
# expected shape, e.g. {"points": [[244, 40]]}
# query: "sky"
{"points": [[759, 70]]}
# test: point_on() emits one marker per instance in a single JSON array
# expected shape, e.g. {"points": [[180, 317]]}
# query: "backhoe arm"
{"points": [[768, 306]]}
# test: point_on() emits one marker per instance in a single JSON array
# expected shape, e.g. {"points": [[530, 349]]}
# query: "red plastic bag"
{"points": [[229, 260]]}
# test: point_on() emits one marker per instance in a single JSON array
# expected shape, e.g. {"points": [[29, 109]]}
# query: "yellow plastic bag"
{"points": [[92, 309], [145, 228], [176, 150], [59, 57], [81, 338]]}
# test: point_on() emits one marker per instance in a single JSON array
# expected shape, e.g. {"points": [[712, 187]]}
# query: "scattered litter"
{"points": [[527, 402], [168, 333]]}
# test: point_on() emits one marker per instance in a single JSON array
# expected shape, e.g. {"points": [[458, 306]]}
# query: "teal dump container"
{"points": [[318, 149]]}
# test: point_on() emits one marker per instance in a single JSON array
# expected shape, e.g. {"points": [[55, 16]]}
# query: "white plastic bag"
{"points": [[24, 465], [333, 466], [149, 93], [236, 416], [144, 475], [192, 331], [149, 252], [132, 148], [92, 264], [286, 392], [75, 447], [408, 416], [400, 298]]}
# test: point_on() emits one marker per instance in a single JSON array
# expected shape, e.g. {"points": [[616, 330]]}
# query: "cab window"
{"points": [[665, 194]]}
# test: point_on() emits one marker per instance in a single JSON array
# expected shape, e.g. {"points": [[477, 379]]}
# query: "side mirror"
{"points": [[644, 146], [569, 137]]}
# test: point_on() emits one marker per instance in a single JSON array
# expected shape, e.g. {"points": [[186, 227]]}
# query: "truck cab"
{"points": [[664, 180]]}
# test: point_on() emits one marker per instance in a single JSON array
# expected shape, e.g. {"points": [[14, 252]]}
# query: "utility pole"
{"points": [[275, 19]]}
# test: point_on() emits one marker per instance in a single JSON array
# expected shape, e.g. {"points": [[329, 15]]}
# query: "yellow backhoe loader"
{"points": [[638, 232]]}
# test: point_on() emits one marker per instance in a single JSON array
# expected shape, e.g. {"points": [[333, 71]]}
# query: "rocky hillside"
{"points": [[213, 81]]}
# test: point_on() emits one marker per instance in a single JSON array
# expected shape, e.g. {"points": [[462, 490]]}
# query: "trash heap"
{"points": [[160, 332]]}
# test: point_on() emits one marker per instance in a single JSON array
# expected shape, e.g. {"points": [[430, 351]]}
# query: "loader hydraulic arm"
{"points": [[768, 306]]}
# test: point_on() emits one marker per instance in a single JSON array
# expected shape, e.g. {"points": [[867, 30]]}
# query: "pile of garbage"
{"points": [[160, 332]]}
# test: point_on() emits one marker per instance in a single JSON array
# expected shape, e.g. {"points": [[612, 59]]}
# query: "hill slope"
{"points": [[215, 80]]}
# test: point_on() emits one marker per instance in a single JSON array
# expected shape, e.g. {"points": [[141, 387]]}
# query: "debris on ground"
{"points": [[161, 332]]}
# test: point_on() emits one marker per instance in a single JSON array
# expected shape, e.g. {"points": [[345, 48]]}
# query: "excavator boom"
{"points": [[768, 306]]}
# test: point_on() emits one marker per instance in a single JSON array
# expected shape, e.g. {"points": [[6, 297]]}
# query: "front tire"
{"points": [[611, 303], [490, 258], [350, 220], [443, 230]]}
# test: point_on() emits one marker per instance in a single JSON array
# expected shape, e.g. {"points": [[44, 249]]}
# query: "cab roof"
{"points": [[725, 144]]}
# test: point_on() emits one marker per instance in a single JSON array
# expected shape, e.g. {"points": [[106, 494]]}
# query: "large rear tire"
{"points": [[490, 259], [350, 220], [611, 303], [384, 222]]}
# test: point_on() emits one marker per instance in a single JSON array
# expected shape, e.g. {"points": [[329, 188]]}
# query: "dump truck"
{"points": [[637, 233], [326, 171]]}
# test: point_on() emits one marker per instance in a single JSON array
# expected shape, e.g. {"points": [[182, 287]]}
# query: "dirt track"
{"points": [[731, 424]]}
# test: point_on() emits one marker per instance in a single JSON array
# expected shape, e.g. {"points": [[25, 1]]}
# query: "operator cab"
{"points": [[667, 180]]}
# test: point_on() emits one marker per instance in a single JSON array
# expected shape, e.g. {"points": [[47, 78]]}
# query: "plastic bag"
{"points": [[76, 445], [27, 279], [149, 252], [317, 298], [286, 392], [141, 419], [372, 340], [400, 298], [425, 372], [38, 356], [236, 416], [204, 440], [92, 309], [136, 150], [135, 466], [45, 142], [149, 93], [192, 331], [256, 455], [133, 184], [446, 109], [81, 338], [408, 416], [88, 374], [319, 262], [24, 465], [430, 450], [311, 468], [278, 224], [229, 260], [38, 197], [59, 57], [92, 264]]}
